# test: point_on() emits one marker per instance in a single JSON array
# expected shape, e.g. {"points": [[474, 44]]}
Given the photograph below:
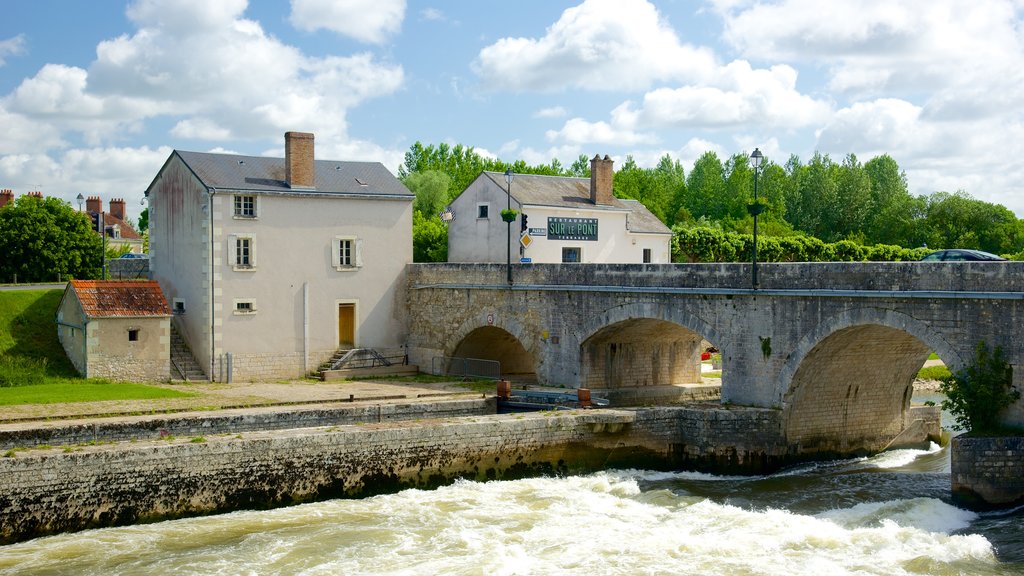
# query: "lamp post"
{"points": [[80, 198], [508, 223], [755, 158]]}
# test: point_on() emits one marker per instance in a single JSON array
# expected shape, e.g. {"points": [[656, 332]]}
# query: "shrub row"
{"points": [[714, 245]]}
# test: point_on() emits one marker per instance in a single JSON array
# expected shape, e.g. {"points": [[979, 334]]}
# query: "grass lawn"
{"points": [[933, 373], [82, 390], [33, 363]]}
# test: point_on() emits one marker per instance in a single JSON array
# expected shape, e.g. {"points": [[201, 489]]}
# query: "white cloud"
{"points": [[207, 64], [874, 128], [432, 14], [20, 134], [552, 112], [736, 96], [603, 45], [106, 172], [369, 21], [878, 47], [578, 131], [11, 47]]}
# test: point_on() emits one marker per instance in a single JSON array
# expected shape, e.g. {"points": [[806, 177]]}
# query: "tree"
{"points": [[45, 239], [431, 188], [896, 216], [144, 221], [429, 239], [977, 394], [705, 187]]}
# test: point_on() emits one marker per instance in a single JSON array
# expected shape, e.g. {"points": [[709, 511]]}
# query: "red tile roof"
{"points": [[118, 298]]}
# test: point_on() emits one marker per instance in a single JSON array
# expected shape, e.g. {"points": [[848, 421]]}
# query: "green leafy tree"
{"points": [[896, 216], [144, 221], [431, 189], [977, 394], [43, 239], [581, 167], [705, 187], [429, 239]]}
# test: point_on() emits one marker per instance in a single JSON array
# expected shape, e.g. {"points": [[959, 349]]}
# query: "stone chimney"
{"points": [[300, 171], [6, 197], [93, 204], [601, 180], [117, 208]]}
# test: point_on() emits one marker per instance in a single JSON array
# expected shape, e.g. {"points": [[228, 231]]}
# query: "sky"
{"points": [[95, 95]]}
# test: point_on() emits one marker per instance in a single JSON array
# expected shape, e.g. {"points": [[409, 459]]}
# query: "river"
{"points": [[889, 514]]}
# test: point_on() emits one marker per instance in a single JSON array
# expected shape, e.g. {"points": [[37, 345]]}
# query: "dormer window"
{"points": [[245, 206]]}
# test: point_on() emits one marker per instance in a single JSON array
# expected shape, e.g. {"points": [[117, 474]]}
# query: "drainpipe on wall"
{"points": [[209, 208], [305, 327]]}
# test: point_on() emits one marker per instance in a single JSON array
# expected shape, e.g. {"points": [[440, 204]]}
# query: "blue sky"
{"points": [[95, 95]]}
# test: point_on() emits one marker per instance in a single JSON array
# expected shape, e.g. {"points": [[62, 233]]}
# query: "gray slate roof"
{"points": [[264, 174], [570, 192]]}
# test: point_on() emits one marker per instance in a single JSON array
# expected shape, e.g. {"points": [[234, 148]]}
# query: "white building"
{"points": [[276, 263], [561, 219]]}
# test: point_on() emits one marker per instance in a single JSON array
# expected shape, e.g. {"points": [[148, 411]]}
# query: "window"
{"points": [[242, 252], [481, 211], [178, 306], [647, 255], [571, 255], [243, 307], [133, 334], [245, 206], [347, 253]]}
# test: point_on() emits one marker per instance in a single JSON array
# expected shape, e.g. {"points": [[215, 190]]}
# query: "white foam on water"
{"points": [[599, 524], [899, 458]]}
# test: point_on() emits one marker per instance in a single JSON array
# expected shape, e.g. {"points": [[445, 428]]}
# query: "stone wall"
{"points": [[49, 490], [987, 472], [153, 427]]}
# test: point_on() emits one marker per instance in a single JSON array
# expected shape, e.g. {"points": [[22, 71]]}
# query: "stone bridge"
{"points": [[832, 347]]}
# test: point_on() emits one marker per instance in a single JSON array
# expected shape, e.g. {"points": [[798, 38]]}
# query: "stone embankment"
{"points": [[217, 463]]}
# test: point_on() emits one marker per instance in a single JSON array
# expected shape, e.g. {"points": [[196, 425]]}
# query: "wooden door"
{"points": [[346, 325]]}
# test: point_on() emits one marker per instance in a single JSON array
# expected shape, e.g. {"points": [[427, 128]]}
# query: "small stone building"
{"points": [[116, 329]]}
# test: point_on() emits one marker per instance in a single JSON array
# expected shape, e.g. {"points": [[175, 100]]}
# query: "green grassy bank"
{"points": [[33, 366]]}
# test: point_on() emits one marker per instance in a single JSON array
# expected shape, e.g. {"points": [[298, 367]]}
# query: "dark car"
{"points": [[960, 255], [130, 255]]}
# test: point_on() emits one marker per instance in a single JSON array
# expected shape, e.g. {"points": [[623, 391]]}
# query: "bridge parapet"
{"points": [[879, 276]]}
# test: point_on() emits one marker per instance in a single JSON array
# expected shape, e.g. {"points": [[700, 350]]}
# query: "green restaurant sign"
{"points": [[572, 229]]}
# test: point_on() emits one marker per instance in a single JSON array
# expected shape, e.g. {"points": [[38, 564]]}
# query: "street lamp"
{"points": [[508, 223], [80, 198], [755, 158]]}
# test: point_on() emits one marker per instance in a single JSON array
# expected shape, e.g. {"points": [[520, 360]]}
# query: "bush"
{"points": [[977, 394], [21, 371]]}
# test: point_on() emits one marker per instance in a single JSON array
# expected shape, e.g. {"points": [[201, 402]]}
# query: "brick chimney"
{"points": [[35, 194], [298, 160], [93, 204], [6, 197], [601, 180], [117, 208]]}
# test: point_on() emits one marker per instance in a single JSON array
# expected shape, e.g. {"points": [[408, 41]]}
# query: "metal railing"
{"points": [[468, 368]]}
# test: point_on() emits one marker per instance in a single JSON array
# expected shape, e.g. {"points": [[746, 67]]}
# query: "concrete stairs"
{"points": [[183, 364]]}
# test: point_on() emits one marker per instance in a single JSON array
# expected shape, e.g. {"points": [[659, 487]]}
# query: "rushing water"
{"points": [[882, 515]]}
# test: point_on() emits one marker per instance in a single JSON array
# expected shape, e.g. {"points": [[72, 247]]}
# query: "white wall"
{"points": [[471, 239]]}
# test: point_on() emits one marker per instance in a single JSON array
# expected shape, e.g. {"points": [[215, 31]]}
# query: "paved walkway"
{"points": [[259, 395]]}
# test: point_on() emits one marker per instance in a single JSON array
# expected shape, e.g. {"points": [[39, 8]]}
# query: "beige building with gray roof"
{"points": [[273, 264], [561, 219]]}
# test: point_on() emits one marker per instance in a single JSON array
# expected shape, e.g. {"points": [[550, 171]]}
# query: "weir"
{"points": [[51, 489]]}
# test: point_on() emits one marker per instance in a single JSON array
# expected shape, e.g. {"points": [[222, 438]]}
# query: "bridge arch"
{"points": [[847, 385], [495, 338], [642, 344]]}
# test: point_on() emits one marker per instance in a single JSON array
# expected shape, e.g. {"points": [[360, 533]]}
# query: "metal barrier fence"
{"points": [[468, 368]]}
